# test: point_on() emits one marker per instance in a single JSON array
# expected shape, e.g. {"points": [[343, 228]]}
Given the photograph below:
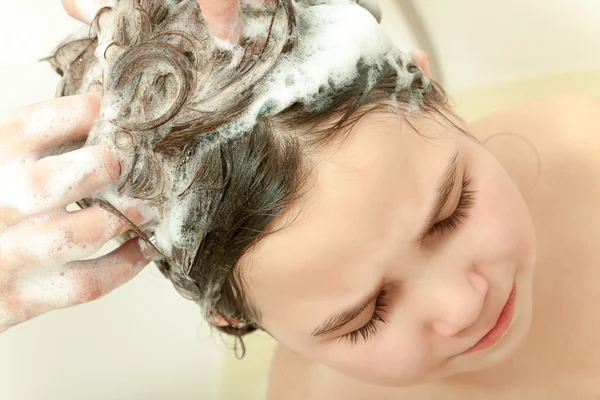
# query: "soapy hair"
{"points": [[240, 184]]}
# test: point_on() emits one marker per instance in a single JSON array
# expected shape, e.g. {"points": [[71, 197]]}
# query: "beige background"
{"points": [[146, 342]]}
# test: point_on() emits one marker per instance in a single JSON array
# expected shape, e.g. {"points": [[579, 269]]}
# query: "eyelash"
{"points": [[465, 203], [370, 329]]}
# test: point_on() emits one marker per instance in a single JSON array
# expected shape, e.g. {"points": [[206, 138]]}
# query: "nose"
{"points": [[458, 305]]}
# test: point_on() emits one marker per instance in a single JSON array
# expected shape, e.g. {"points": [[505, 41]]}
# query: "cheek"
{"points": [[502, 225], [398, 356]]}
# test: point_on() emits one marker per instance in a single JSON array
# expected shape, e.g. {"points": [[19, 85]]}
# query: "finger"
{"points": [[85, 10], [35, 130], [61, 238], [54, 182], [223, 18], [421, 59], [372, 6], [79, 282], [98, 277]]}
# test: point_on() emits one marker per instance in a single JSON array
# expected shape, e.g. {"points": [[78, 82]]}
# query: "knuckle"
{"points": [[88, 227], [18, 259], [96, 166], [111, 164], [12, 311], [38, 178], [4, 266], [90, 102], [89, 290], [11, 136], [8, 216], [113, 225], [11, 129]]}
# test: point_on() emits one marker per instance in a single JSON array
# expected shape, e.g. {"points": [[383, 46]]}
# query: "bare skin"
{"points": [[559, 358], [530, 373], [222, 16], [59, 280], [42, 246]]}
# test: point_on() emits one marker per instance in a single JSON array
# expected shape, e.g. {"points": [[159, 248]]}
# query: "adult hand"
{"points": [[42, 246], [223, 17]]}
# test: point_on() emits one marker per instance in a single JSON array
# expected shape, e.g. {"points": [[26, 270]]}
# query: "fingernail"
{"points": [[235, 32], [227, 31], [230, 36], [415, 54], [148, 251]]}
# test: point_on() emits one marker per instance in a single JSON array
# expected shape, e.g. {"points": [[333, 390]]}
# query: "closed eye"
{"points": [[370, 329], [461, 212], [447, 225]]}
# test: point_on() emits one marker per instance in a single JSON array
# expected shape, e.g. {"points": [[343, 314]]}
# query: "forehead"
{"points": [[362, 196]]}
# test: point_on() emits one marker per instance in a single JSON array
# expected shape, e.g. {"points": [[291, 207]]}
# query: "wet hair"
{"points": [[174, 112]]}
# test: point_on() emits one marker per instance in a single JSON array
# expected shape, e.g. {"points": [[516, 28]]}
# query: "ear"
{"points": [[220, 321], [421, 60]]}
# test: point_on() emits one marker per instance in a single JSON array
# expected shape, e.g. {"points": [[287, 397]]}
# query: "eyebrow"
{"points": [[444, 190], [337, 321]]}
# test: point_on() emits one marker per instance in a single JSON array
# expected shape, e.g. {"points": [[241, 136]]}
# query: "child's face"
{"points": [[358, 231]]}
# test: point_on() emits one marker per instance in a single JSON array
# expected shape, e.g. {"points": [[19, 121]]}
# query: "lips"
{"points": [[502, 324]]}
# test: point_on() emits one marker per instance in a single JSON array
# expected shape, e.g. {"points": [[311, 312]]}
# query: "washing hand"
{"points": [[223, 17], [42, 246]]}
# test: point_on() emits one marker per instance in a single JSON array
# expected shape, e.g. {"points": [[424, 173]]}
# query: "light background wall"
{"points": [[146, 342]]}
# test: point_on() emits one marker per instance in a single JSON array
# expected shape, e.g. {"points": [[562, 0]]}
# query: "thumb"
{"points": [[421, 60], [85, 10], [223, 18], [371, 6]]}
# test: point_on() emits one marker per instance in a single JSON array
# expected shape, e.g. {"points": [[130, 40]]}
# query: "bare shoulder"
{"points": [[289, 376], [292, 377], [564, 131], [559, 137], [570, 120]]}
